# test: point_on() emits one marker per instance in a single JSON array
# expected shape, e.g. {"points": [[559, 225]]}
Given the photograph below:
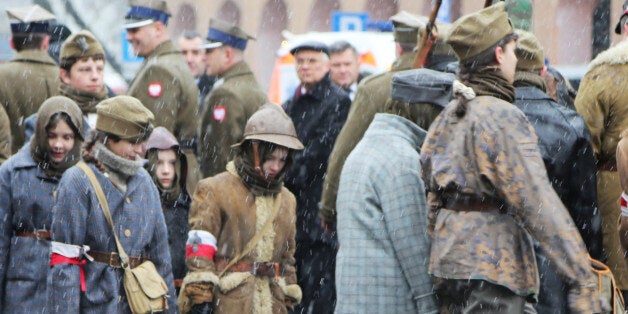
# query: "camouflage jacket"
{"points": [[492, 152]]}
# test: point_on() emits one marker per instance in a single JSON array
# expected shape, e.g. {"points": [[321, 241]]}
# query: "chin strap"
{"points": [[256, 163]]}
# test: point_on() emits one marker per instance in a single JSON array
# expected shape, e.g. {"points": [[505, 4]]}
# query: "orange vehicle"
{"points": [[376, 50]]}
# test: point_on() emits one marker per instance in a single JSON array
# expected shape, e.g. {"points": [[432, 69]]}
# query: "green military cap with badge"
{"points": [[29, 19], [529, 52], [222, 33], [125, 117], [146, 12], [472, 34], [407, 27], [80, 45]]}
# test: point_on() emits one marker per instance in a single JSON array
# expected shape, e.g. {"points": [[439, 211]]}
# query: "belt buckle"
{"points": [[254, 270], [112, 260], [38, 233]]}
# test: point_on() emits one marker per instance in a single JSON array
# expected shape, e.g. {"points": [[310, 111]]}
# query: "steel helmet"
{"points": [[271, 124]]}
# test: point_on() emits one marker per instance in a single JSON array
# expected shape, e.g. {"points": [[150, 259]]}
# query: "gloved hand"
{"points": [[200, 292], [202, 308]]}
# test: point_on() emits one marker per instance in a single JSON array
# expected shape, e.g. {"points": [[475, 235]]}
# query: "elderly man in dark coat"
{"points": [[318, 110]]}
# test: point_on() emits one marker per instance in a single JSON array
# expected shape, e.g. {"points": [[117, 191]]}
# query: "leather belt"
{"points": [[467, 202], [113, 259], [609, 165], [40, 234], [268, 269]]}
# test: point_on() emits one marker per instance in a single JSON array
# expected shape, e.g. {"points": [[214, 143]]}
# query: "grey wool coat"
{"points": [[381, 266], [26, 200], [79, 220]]}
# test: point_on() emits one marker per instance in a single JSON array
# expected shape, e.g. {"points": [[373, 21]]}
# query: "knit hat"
{"points": [[474, 33], [80, 45], [146, 12], [125, 117], [529, 52], [407, 26], [223, 33]]}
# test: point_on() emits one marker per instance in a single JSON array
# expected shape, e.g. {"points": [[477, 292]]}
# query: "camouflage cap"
{"points": [[29, 19], [223, 33], [476, 32], [80, 45], [529, 52], [125, 117], [407, 26], [146, 12]]}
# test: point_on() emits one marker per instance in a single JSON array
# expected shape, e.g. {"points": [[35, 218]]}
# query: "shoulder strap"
{"points": [[105, 207], [258, 236]]}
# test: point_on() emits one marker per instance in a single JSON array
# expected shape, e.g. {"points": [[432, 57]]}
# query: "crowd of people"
{"points": [[480, 182]]}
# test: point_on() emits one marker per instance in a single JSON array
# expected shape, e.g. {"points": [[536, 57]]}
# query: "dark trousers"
{"points": [[316, 268], [477, 296]]}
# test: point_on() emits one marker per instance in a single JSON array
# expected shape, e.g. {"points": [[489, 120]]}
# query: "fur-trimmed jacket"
{"points": [[602, 102], [224, 207]]}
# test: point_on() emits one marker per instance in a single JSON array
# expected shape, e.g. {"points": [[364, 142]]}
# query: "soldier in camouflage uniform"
{"points": [[233, 99], [488, 192], [31, 76], [164, 83], [370, 98]]}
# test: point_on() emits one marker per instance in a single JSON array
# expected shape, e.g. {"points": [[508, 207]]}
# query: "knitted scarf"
{"points": [[87, 101], [525, 79], [489, 81]]}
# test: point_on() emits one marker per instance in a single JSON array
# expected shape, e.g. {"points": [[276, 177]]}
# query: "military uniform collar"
{"points": [[33, 55], [167, 47], [240, 68], [404, 62], [389, 124], [530, 93]]}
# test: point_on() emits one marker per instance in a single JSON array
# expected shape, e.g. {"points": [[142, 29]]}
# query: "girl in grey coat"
{"points": [[79, 226], [28, 185]]}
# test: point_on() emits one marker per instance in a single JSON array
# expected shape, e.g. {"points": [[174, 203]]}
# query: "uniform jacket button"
{"points": [[127, 233]]}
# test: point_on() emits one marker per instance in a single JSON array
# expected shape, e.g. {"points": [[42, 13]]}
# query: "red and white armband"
{"points": [[63, 253], [200, 243]]}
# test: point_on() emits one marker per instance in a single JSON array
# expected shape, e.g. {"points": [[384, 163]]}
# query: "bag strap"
{"points": [[258, 236], [105, 209]]}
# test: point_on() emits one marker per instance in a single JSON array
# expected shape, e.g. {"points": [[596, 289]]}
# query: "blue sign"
{"points": [[348, 21], [127, 51], [444, 12]]}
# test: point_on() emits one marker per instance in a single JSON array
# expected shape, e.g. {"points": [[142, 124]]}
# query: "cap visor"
{"points": [[211, 45], [135, 23]]}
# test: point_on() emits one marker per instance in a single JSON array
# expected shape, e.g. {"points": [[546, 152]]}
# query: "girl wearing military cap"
{"points": [[86, 270], [29, 182], [241, 244], [167, 166]]}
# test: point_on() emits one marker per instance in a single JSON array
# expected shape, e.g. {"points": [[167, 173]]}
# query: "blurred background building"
{"points": [[572, 31]]}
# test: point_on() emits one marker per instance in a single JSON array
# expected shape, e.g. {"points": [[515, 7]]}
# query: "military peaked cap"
{"points": [[29, 19], [223, 33], [146, 12]]}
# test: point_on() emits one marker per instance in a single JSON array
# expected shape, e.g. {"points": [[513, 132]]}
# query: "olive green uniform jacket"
{"points": [[25, 82], [370, 98], [492, 153], [603, 103], [166, 87], [5, 136], [223, 206], [232, 101]]}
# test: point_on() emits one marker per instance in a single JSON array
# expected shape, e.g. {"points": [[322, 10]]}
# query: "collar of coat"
{"points": [[33, 56], [23, 159], [167, 47], [617, 54], [321, 89], [240, 68]]}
